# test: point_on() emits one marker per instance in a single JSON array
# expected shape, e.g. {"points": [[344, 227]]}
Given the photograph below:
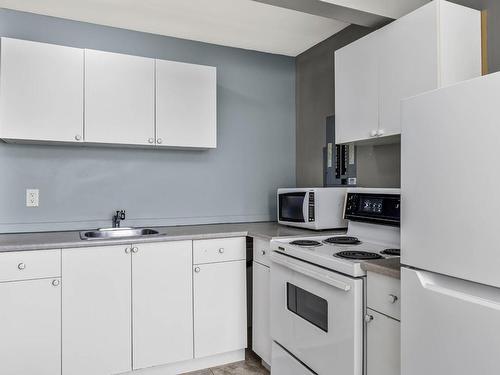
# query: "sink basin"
{"points": [[113, 233]]}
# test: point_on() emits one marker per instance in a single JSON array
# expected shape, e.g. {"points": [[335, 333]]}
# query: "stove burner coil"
{"points": [[307, 243], [343, 240], [359, 255], [394, 252]]}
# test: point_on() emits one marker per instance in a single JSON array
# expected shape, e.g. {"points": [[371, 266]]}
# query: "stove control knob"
{"points": [[392, 298], [368, 318]]}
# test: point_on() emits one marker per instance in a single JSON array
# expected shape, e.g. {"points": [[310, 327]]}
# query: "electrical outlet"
{"points": [[32, 197]]}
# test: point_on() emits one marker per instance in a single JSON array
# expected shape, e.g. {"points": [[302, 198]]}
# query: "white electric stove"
{"points": [[318, 288]]}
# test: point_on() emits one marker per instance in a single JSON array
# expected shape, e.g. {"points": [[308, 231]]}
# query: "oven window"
{"points": [[290, 207], [308, 306]]}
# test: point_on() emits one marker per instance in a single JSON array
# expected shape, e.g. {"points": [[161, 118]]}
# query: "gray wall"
{"points": [[315, 101], [378, 166], [81, 186]]}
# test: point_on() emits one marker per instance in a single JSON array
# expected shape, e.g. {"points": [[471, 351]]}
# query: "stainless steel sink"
{"points": [[114, 233]]}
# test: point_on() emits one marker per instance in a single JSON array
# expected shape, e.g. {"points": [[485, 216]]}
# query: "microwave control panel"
{"points": [[311, 206]]}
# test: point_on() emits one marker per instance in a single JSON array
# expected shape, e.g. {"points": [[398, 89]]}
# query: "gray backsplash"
{"points": [[81, 186]]}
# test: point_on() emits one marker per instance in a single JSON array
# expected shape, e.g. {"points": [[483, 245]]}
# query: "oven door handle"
{"points": [[293, 265]]}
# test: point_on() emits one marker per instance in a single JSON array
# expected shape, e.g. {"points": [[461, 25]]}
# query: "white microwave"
{"points": [[312, 208]]}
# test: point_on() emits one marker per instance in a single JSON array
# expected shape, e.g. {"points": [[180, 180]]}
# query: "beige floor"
{"points": [[251, 366]]}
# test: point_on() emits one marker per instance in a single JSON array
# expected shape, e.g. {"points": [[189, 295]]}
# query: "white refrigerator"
{"points": [[450, 230]]}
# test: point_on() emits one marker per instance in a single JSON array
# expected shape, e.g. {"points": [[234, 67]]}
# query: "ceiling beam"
{"points": [[329, 10]]}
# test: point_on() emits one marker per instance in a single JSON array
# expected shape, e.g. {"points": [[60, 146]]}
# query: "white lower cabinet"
{"points": [[162, 303], [30, 326], [383, 326], [107, 310], [219, 308], [261, 316], [96, 310], [383, 341], [261, 338]]}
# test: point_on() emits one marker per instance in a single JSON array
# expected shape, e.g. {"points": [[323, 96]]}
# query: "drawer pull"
{"points": [[392, 298], [263, 252], [221, 250], [21, 266], [368, 318]]}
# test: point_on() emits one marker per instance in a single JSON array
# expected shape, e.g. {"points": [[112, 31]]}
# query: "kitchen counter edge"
{"points": [[389, 267], [71, 239]]}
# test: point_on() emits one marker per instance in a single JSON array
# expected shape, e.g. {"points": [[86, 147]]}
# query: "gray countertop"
{"points": [[71, 239], [389, 267]]}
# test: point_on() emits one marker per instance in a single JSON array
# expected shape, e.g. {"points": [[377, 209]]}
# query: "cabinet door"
{"points": [[383, 345], [261, 336], [119, 98], [30, 326], [162, 303], [41, 91], [219, 308], [186, 105], [408, 63], [96, 305], [356, 90]]}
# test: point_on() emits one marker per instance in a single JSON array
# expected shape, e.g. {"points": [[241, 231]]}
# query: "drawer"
{"points": [[384, 294], [219, 250], [261, 251], [24, 265]]}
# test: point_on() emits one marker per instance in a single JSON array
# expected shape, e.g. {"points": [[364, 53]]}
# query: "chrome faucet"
{"points": [[117, 218]]}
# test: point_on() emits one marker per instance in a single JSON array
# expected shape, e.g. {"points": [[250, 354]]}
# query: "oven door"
{"points": [[317, 315], [293, 207]]}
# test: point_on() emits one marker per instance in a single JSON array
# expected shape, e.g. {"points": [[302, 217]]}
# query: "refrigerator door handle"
{"points": [[466, 291]]}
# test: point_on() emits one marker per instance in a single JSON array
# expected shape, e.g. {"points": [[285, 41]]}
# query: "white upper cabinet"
{"points": [[50, 93], [356, 82], [162, 303], [41, 92], [186, 105], [437, 45], [408, 63], [119, 98]]}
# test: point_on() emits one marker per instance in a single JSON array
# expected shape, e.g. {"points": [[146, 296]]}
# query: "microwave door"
{"points": [[291, 207]]}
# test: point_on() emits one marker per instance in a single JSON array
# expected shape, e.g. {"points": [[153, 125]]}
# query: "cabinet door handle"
{"points": [[127, 250], [159, 141], [368, 318], [135, 250], [263, 252], [392, 298], [21, 266], [374, 133], [151, 140], [78, 137], [55, 282], [380, 132], [221, 250], [197, 269]]}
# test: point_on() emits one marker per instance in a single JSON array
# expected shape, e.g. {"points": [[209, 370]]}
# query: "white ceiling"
{"points": [[237, 23]]}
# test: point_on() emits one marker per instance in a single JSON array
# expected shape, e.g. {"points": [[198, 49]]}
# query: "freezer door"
{"points": [[448, 326], [450, 200]]}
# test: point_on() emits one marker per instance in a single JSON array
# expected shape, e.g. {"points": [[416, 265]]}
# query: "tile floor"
{"points": [[250, 366]]}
